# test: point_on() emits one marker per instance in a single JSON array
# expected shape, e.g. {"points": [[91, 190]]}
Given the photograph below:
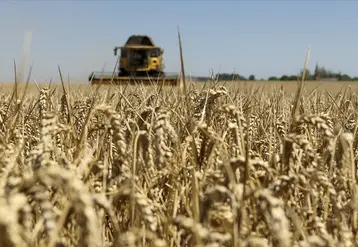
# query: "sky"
{"points": [[263, 38]]}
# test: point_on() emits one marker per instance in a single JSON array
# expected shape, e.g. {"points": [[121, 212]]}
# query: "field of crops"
{"points": [[266, 86], [220, 165]]}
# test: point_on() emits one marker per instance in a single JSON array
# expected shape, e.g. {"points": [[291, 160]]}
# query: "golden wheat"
{"points": [[145, 167]]}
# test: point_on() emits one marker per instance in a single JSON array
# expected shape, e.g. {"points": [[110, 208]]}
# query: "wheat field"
{"points": [[289, 87], [220, 165]]}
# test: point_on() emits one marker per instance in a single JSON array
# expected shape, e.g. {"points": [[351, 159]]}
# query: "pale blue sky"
{"points": [[260, 37]]}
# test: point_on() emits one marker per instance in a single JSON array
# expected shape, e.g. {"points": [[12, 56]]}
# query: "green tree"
{"points": [[293, 78], [252, 78], [273, 78], [308, 75], [229, 77], [345, 77], [316, 75], [285, 78]]}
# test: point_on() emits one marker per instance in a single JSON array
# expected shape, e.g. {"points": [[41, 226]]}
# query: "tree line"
{"points": [[320, 73]]}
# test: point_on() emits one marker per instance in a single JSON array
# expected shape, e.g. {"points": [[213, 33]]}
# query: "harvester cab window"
{"points": [[139, 54], [139, 58], [124, 53], [154, 53]]}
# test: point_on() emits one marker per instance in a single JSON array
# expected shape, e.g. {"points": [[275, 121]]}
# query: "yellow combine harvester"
{"points": [[141, 61]]}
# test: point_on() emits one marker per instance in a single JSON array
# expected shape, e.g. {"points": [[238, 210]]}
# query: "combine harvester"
{"points": [[140, 62]]}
